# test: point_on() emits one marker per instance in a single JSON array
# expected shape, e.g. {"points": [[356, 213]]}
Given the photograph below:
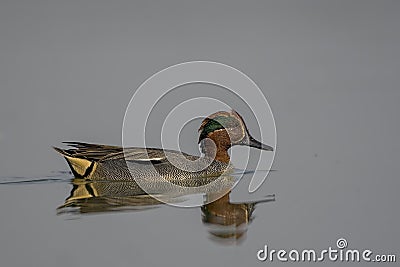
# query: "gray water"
{"points": [[329, 69]]}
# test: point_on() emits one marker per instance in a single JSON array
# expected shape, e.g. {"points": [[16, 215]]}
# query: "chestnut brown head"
{"points": [[227, 129]]}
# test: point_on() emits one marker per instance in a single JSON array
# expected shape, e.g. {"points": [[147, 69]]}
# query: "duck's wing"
{"points": [[147, 155], [92, 152], [96, 152]]}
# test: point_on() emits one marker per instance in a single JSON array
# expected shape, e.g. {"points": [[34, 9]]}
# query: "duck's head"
{"points": [[227, 129]]}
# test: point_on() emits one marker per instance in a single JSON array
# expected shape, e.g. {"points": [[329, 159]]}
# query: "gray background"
{"points": [[330, 70]]}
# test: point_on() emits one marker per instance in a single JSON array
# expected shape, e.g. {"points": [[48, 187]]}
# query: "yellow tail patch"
{"points": [[81, 168]]}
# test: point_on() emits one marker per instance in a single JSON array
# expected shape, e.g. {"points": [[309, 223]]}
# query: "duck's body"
{"points": [[101, 162], [218, 133]]}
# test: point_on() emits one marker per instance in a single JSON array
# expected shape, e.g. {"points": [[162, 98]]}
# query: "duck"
{"points": [[217, 134]]}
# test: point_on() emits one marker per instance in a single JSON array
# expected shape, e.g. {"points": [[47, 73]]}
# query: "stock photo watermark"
{"points": [[340, 253]]}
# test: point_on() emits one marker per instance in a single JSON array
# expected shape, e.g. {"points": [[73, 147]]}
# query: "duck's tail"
{"points": [[80, 167]]}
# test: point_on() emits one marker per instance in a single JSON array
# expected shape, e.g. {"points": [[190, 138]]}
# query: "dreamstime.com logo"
{"points": [[177, 96], [340, 253]]}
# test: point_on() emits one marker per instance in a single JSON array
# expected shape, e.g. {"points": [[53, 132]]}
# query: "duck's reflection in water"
{"points": [[226, 221]]}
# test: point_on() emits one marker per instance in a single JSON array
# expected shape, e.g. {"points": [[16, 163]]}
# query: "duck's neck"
{"points": [[215, 149]]}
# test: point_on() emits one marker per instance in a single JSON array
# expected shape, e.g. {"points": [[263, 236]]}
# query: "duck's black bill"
{"points": [[257, 144]]}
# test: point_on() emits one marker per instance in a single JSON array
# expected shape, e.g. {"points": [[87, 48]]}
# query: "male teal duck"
{"points": [[218, 132]]}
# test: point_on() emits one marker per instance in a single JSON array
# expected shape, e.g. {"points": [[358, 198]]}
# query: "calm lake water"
{"points": [[56, 221]]}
